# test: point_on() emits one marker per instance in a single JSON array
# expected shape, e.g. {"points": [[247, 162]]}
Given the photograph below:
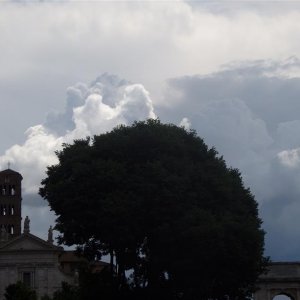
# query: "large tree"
{"points": [[163, 204]]}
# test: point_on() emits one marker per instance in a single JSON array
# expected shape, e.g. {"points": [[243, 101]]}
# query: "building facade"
{"points": [[23, 256]]}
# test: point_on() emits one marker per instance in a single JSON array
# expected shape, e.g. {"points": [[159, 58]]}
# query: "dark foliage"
{"points": [[19, 291], [67, 292], [165, 205]]}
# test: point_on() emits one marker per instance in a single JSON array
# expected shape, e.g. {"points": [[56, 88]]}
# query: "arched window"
{"points": [[13, 190], [12, 212]]}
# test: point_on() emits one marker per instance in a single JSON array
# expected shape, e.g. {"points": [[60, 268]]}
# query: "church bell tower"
{"points": [[10, 202]]}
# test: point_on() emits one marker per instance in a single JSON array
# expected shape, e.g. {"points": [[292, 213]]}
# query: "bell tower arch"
{"points": [[10, 202]]}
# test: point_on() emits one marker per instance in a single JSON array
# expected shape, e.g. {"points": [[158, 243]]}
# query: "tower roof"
{"points": [[10, 172]]}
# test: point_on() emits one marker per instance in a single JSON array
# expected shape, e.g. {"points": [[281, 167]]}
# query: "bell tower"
{"points": [[10, 202]]}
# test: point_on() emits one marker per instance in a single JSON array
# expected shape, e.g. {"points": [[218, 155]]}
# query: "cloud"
{"points": [[54, 45], [266, 87], [95, 115], [185, 122], [60, 122], [290, 158], [246, 110], [90, 110], [35, 154], [249, 111]]}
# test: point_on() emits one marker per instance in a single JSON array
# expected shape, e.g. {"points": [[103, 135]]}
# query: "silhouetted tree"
{"points": [[162, 204], [19, 291], [67, 292]]}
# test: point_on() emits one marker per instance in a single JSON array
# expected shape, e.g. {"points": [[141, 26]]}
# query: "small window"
{"points": [[27, 279]]}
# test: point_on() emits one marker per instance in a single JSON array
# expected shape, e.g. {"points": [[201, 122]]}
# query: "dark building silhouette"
{"points": [[10, 202]]}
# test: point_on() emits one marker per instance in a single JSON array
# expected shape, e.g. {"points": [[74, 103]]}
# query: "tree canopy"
{"points": [[164, 205]]}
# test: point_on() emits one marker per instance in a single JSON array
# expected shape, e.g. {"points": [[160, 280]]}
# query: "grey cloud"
{"points": [[33, 200], [41, 218], [280, 212], [90, 109], [37, 209], [287, 134], [250, 113], [61, 122], [109, 86], [273, 99], [225, 7]]}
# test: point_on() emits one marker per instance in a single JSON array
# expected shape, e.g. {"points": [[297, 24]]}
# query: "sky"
{"points": [[228, 69]]}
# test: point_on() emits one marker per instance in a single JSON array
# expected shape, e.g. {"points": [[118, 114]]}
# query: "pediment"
{"points": [[28, 242]]}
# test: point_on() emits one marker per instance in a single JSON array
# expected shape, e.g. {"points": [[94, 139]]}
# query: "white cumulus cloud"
{"points": [[185, 122], [290, 158], [91, 110], [31, 158]]}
